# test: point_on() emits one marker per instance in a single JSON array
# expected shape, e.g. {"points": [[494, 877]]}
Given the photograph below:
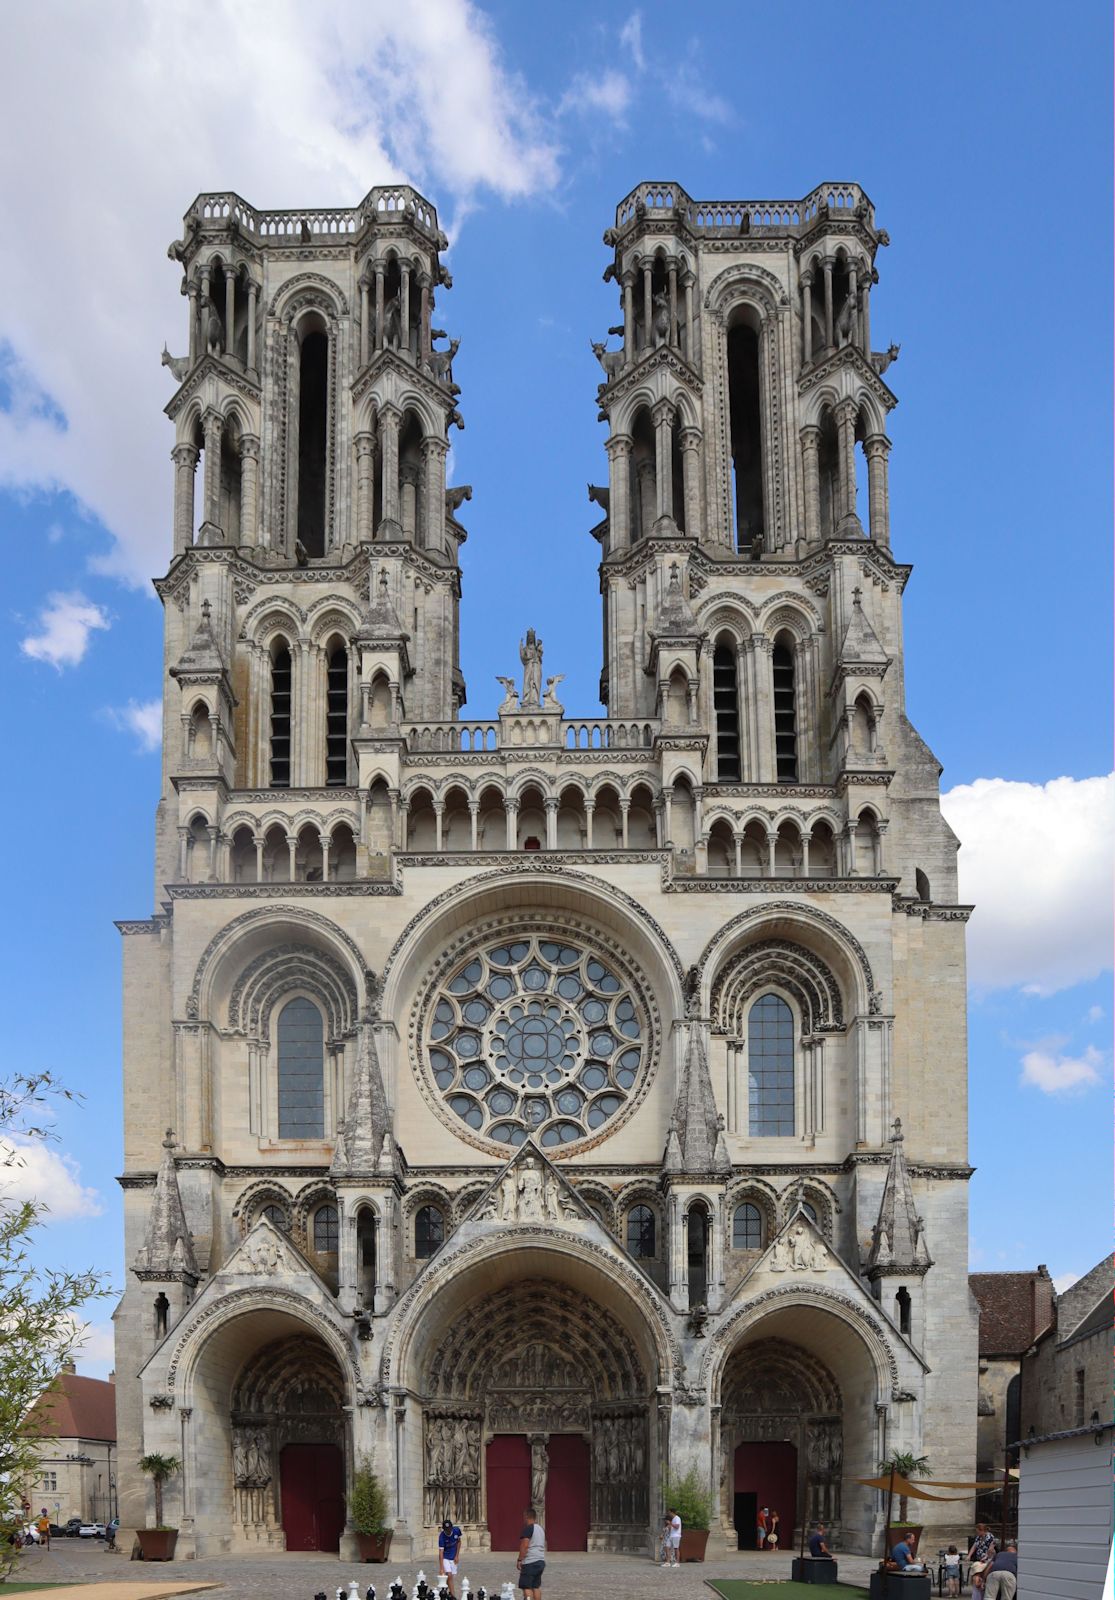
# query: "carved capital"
{"points": [[876, 444], [249, 446], [185, 455], [365, 445], [620, 444]]}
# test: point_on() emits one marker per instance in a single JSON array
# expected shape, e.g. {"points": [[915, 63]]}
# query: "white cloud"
{"points": [[1054, 1073], [31, 1170], [1037, 861], [64, 625], [130, 110], [608, 91], [1065, 1280], [143, 718], [1095, 1014], [631, 38]]}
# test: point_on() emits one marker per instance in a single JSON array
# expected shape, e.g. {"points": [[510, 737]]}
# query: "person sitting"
{"points": [[817, 1545], [1001, 1582], [904, 1554]]}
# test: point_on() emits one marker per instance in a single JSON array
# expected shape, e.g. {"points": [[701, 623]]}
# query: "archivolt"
{"points": [[786, 965]]}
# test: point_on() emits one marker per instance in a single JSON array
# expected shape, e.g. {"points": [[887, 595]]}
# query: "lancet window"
{"points": [[770, 1067], [313, 391], [281, 685], [336, 719], [301, 1074], [745, 413], [429, 1231], [725, 702], [785, 713], [641, 1232]]}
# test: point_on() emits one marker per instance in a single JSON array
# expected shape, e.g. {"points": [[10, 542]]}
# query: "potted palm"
{"points": [[157, 1543], [690, 1498], [368, 1513], [902, 1464]]}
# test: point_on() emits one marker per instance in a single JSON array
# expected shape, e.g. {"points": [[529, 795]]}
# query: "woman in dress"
{"points": [[981, 1554], [772, 1531]]}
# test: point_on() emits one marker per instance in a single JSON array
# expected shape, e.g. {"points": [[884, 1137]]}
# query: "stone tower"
{"points": [[534, 1082]]}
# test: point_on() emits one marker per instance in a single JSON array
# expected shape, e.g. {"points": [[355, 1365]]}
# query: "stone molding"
{"points": [[232, 931]]}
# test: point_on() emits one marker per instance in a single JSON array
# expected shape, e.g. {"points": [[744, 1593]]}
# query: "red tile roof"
{"points": [[1015, 1307], [79, 1408]]}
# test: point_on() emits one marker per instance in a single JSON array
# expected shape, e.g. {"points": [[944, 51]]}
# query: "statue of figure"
{"points": [[259, 1459], [539, 1472], [507, 1200], [801, 1248], [779, 1260], [179, 365], [530, 654], [550, 699], [531, 1199], [510, 700], [214, 327], [460, 1454], [456, 496], [660, 317], [392, 323], [553, 1206], [845, 329], [240, 1467]]}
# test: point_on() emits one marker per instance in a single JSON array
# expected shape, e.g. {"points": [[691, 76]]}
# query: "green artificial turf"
{"points": [[742, 1589]]}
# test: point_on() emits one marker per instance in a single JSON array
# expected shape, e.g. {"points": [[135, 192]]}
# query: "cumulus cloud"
{"points": [[283, 107], [609, 92], [1037, 861], [63, 629], [1054, 1073], [31, 1170], [143, 718]]}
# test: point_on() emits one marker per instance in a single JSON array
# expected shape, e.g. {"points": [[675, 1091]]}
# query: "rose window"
{"points": [[536, 1035]]}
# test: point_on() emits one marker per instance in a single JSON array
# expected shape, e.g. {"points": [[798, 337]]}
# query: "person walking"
{"points": [[532, 1555], [448, 1553], [673, 1540], [664, 1542], [762, 1522], [772, 1531], [43, 1525], [983, 1551]]}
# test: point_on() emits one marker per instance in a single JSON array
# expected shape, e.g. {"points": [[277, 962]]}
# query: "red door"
{"points": [[566, 1516], [312, 1487], [769, 1471], [508, 1470]]}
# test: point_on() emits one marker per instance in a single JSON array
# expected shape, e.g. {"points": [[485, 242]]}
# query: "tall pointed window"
{"points": [[336, 728], [301, 1042], [725, 704], [697, 1241], [313, 387], [745, 412], [280, 715], [640, 1232], [785, 715], [770, 1067], [429, 1231]]}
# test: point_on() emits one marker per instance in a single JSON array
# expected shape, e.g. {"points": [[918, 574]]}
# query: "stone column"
{"points": [[853, 296], [877, 448], [690, 442], [619, 491], [404, 305], [851, 867], [253, 291], [673, 282], [648, 306], [688, 283], [423, 318], [259, 841], [365, 311], [249, 489], [408, 499], [439, 816], [183, 853], [191, 290], [214, 843], [511, 812], [668, 814], [230, 316], [827, 266], [379, 305], [624, 815], [292, 855], [811, 470], [663, 459], [807, 318], [213, 429], [763, 684], [805, 855], [325, 843], [737, 840], [865, 317], [474, 823], [434, 452], [846, 430], [590, 812], [551, 805], [365, 485], [880, 853], [389, 463], [628, 282], [184, 457]]}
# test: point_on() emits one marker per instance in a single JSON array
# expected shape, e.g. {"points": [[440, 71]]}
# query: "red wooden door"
{"points": [[312, 1488], [770, 1472], [508, 1474], [566, 1515]]}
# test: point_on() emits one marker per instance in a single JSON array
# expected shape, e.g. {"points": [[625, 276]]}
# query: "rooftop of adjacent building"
{"points": [[76, 1408], [1015, 1309]]}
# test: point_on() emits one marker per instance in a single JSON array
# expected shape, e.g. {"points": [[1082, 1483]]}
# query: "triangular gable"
{"points": [[530, 1189]]}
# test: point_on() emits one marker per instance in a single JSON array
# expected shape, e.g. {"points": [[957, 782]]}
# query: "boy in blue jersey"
{"points": [[448, 1552]]}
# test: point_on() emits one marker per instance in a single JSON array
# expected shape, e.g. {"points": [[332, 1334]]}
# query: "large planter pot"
{"points": [[374, 1546], [157, 1544], [693, 1542]]}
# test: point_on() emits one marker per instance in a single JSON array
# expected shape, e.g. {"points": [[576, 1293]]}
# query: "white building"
{"points": [[535, 1081]]}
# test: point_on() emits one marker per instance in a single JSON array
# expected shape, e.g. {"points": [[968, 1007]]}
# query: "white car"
{"points": [[91, 1530]]}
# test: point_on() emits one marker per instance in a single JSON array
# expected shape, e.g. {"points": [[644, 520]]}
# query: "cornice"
{"points": [[265, 797], [249, 574], [930, 911], [863, 780], [678, 885], [418, 759], [279, 891], [154, 924], [389, 360], [500, 858], [650, 361]]}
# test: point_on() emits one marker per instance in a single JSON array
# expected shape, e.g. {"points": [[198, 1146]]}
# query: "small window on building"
{"points": [[785, 715], [429, 1231], [747, 1228], [1078, 1398], [49, 1482], [281, 685], [902, 1310], [277, 1216], [336, 719], [162, 1316], [641, 1232], [326, 1230]]}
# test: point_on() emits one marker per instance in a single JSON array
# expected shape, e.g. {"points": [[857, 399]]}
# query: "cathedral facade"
{"points": [[545, 1106]]}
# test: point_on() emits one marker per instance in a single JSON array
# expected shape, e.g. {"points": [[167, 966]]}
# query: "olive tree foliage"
{"points": [[40, 1324]]}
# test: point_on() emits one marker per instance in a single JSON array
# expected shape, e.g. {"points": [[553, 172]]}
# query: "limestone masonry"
{"points": [[556, 1103]]}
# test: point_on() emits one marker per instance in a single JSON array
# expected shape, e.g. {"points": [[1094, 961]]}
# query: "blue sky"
{"points": [[982, 134]]}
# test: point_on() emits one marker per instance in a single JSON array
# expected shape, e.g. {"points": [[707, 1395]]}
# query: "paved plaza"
{"points": [[300, 1577]]}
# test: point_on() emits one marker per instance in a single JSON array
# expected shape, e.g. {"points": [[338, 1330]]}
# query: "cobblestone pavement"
{"points": [[300, 1577]]}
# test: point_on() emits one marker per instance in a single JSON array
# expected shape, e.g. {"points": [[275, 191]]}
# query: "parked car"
{"points": [[91, 1530], [71, 1527], [55, 1531]]}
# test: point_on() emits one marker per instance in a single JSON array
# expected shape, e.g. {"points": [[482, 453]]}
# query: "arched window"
{"points": [[902, 1309], [326, 1230], [725, 704], [280, 715], [366, 1255], [770, 1067], [785, 715], [313, 387], [336, 719], [697, 1230], [277, 1216], [921, 883], [641, 1232], [301, 1071], [429, 1232], [810, 1212], [162, 1316], [747, 1228], [746, 434]]}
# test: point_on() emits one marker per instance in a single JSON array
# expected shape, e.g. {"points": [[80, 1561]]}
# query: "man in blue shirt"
{"points": [[904, 1555], [448, 1550], [817, 1545], [1002, 1580]]}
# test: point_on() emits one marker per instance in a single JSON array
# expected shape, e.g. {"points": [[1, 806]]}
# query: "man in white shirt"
{"points": [[673, 1541]]}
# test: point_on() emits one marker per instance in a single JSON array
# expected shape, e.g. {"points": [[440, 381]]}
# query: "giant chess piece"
{"points": [[353, 1589], [370, 1592], [321, 1595]]}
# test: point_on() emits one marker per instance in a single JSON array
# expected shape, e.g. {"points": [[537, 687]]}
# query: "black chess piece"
{"points": [[370, 1592], [321, 1595]]}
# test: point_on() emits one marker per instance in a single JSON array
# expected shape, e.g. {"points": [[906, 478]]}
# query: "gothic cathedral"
{"points": [[550, 1105]]}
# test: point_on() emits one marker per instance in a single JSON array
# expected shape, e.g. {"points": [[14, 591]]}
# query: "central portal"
{"points": [[538, 1397]]}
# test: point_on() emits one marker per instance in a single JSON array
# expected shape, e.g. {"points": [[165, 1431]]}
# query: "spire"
{"points": [[168, 1247], [380, 622], [365, 1144], [696, 1141], [898, 1241], [861, 642], [675, 615]]}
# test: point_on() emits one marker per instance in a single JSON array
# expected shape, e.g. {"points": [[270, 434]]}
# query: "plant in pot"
{"points": [[368, 1513], [903, 1464], [690, 1498], [157, 1543]]}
